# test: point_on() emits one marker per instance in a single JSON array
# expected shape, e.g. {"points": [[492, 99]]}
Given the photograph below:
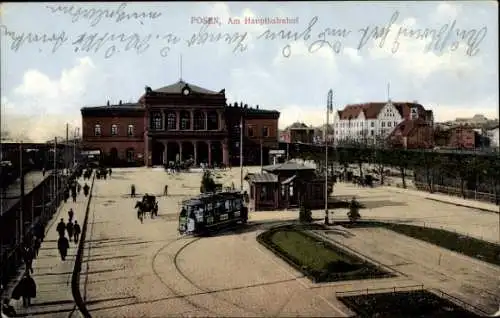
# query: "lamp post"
{"points": [[329, 108], [241, 153]]}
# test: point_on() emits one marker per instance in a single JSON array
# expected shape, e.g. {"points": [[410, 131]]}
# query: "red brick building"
{"points": [[176, 123], [462, 137]]}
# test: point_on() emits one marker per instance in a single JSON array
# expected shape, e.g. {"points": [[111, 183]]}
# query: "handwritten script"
{"points": [[390, 35]]}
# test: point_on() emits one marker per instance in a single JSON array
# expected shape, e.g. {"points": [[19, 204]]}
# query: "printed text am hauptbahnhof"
{"points": [[276, 20]]}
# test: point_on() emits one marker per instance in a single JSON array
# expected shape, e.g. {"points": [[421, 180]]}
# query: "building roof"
{"points": [[287, 166], [407, 126], [177, 87], [297, 125], [123, 106], [371, 110], [262, 178]]}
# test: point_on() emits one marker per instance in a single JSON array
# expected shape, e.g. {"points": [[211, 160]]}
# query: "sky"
{"points": [[59, 57]]}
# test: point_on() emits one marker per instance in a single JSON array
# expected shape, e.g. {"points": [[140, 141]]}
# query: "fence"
{"points": [[369, 291], [459, 302], [457, 192], [12, 256]]}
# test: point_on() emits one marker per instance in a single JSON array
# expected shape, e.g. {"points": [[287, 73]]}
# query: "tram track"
{"points": [[169, 287], [208, 291]]}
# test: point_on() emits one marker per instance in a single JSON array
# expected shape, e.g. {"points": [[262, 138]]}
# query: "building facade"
{"points": [[179, 122], [371, 121], [298, 132], [412, 134]]}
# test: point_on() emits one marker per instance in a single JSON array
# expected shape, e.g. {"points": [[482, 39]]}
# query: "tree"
{"points": [[353, 213], [207, 183]]}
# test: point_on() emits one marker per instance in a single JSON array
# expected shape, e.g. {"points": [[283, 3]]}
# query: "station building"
{"points": [[179, 122]]}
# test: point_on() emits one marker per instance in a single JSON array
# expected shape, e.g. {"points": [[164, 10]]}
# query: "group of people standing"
{"points": [[73, 229]]}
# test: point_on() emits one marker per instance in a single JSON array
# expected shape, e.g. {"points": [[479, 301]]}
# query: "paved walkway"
{"points": [[484, 206], [12, 193], [53, 276]]}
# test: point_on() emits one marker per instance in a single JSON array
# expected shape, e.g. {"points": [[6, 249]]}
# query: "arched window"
{"points": [[172, 121], [97, 130], [114, 130], [185, 120], [213, 121], [199, 120], [130, 130]]}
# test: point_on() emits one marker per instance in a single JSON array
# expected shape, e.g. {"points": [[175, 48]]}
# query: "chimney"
{"points": [[120, 103], [108, 103], [235, 104], [246, 105], [257, 107]]}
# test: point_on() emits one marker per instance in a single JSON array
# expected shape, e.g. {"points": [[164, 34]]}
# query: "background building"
{"points": [[179, 122], [371, 121], [298, 132]]}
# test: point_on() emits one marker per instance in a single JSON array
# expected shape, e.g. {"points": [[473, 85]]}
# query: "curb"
{"points": [[465, 206], [75, 279]]}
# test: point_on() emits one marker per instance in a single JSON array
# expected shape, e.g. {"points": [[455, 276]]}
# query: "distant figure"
{"points": [[25, 289], [76, 231], [73, 195], [66, 195], [61, 228], [63, 246], [165, 190], [79, 188], [40, 231], [132, 191], [70, 214], [110, 171], [43, 172], [69, 229], [37, 245], [28, 258], [86, 189]]}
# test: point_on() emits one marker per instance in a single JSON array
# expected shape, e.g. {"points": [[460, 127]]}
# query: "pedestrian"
{"points": [[73, 195], [40, 231], [86, 189], [71, 214], [37, 245], [76, 231], [165, 190], [25, 289], [62, 246], [28, 258], [66, 195], [132, 191], [61, 228], [69, 229], [79, 188], [43, 172], [110, 171]]}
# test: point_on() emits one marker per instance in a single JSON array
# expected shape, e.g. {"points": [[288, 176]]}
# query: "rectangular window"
{"points": [[372, 124], [383, 124], [97, 130], [130, 130], [156, 121], [389, 124], [265, 132], [114, 130], [250, 131], [372, 132]]}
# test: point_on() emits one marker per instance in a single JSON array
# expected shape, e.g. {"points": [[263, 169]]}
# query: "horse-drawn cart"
{"points": [[147, 205]]}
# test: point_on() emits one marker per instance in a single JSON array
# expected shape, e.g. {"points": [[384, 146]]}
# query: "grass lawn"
{"points": [[318, 260], [472, 247], [420, 303]]}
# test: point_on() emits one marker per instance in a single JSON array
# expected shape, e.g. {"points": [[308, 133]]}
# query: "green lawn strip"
{"points": [[419, 303], [469, 246], [317, 259]]}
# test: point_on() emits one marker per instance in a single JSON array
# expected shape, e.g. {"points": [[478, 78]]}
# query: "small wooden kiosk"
{"points": [[281, 186]]}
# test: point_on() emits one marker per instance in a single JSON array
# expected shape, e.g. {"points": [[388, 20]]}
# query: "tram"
{"points": [[209, 212]]}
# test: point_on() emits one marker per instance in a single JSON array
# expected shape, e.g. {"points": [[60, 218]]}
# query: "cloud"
{"points": [[309, 115], [40, 106]]}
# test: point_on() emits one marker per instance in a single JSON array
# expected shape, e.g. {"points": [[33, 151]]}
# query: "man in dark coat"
{"points": [[36, 246], [25, 289], [61, 228], [86, 189], [66, 195], [69, 229], [63, 246], [73, 195], [40, 231], [132, 191], [28, 258], [76, 231], [71, 214]]}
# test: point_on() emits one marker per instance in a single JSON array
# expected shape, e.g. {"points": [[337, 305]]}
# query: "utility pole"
{"points": [[329, 108], [262, 151], [21, 201], [66, 155], [55, 170], [241, 153]]}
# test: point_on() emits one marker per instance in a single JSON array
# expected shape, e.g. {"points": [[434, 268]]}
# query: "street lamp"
{"points": [[329, 108]]}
